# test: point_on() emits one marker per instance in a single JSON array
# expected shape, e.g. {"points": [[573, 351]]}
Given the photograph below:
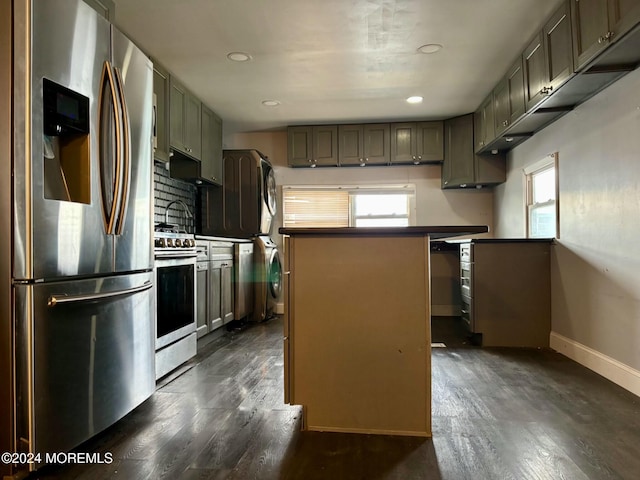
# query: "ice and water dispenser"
{"points": [[66, 144]]}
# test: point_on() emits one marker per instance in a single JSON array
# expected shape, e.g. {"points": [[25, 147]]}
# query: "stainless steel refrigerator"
{"points": [[80, 322]]}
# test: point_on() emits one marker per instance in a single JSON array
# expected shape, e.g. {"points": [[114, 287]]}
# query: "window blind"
{"points": [[315, 208]]}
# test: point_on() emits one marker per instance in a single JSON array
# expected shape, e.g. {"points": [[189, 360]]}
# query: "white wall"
{"points": [[595, 263]]}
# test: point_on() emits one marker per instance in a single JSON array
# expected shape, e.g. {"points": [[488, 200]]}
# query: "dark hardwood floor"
{"points": [[497, 414]]}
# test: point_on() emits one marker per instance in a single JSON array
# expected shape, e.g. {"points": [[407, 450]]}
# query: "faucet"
{"points": [[184, 207]]}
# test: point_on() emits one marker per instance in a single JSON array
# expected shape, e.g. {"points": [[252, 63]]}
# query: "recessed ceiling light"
{"points": [[238, 56], [270, 103], [414, 99], [430, 48]]}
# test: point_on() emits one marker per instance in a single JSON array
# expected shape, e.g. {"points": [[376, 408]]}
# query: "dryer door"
{"points": [[270, 190]]}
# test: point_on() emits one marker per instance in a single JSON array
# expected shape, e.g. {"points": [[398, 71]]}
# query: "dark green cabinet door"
{"points": [[193, 128], [557, 48], [325, 145], [185, 123], [623, 15], [484, 124], [351, 144], [376, 143], [548, 59], [462, 167], [177, 105], [590, 26], [501, 106], [161, 113], [299, 146], [211, 162], [458, 168], [508, 97], [536, 73], [310, 146], [515, 78], [403, 142], [429, 142]]}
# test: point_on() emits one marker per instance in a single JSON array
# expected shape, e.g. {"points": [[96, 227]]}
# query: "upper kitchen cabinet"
{"points": [[185, 121], [598, 23], [462, 167], [548, 59], [363, 145], [484, 124], [417, 142], [161, 113], [211, 163], [106, 8], [312, 146], [508, 97], [207, 170]]}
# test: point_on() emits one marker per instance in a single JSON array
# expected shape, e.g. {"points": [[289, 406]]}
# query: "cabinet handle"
{"points": [[606, 37]]}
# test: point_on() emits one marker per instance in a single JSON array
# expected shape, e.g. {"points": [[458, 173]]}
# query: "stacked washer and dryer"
{"points": [[244, 207]]}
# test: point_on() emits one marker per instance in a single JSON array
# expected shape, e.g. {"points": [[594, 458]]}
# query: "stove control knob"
{"points": [[189, 242], [170, 242], [160, 242], [178, 243]]}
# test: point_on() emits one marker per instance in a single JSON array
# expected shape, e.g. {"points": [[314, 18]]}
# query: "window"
{"points": [[348, 206], [542, 198]]}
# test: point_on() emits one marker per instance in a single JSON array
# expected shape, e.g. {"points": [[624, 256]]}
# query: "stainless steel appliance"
{"points": [[246, 203], [268, 278], [81, 316], [175, 261]]}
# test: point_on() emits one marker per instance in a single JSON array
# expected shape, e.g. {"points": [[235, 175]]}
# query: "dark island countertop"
{"points": [[433, 231]]}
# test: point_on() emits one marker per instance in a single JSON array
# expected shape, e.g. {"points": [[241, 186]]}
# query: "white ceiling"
{"points": [[333, 61]]}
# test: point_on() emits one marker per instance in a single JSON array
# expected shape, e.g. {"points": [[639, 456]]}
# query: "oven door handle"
{"points": [[173, 255], [57, 300]]}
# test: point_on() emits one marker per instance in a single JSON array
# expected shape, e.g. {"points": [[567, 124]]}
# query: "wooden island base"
{"points": [[357, 329]]}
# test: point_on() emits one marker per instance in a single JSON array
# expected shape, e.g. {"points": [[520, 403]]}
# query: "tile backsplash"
{"points": [[167, 190]]}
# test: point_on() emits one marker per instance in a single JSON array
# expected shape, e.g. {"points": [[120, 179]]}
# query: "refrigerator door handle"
{"points": [[109, 203], [125, 158], [61, 299]]}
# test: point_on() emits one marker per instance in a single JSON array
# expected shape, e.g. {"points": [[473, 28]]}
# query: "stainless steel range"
{"points": [[175, 264]]}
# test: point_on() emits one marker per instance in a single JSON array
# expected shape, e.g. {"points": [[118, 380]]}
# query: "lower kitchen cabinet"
{"points": [[214, 290], [505, 287]]}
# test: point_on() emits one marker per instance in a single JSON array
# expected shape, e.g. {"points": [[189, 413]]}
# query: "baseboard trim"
{"points": [[610, 368]]}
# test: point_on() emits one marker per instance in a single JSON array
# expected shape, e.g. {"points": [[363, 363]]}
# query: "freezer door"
{"points": [[59, 226], [85, 357], [134, 226]]}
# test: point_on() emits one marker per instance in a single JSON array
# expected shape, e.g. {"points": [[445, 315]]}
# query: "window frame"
{"points": [[549, 162]]}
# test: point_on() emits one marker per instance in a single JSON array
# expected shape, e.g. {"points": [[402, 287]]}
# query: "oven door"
{"points": [[175, 299]]}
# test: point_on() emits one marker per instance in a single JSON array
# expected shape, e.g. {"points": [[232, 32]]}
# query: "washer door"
{"points": [[274, 274]]}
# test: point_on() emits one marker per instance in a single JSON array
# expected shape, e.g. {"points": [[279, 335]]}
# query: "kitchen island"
{"points": [[357, 336]]}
